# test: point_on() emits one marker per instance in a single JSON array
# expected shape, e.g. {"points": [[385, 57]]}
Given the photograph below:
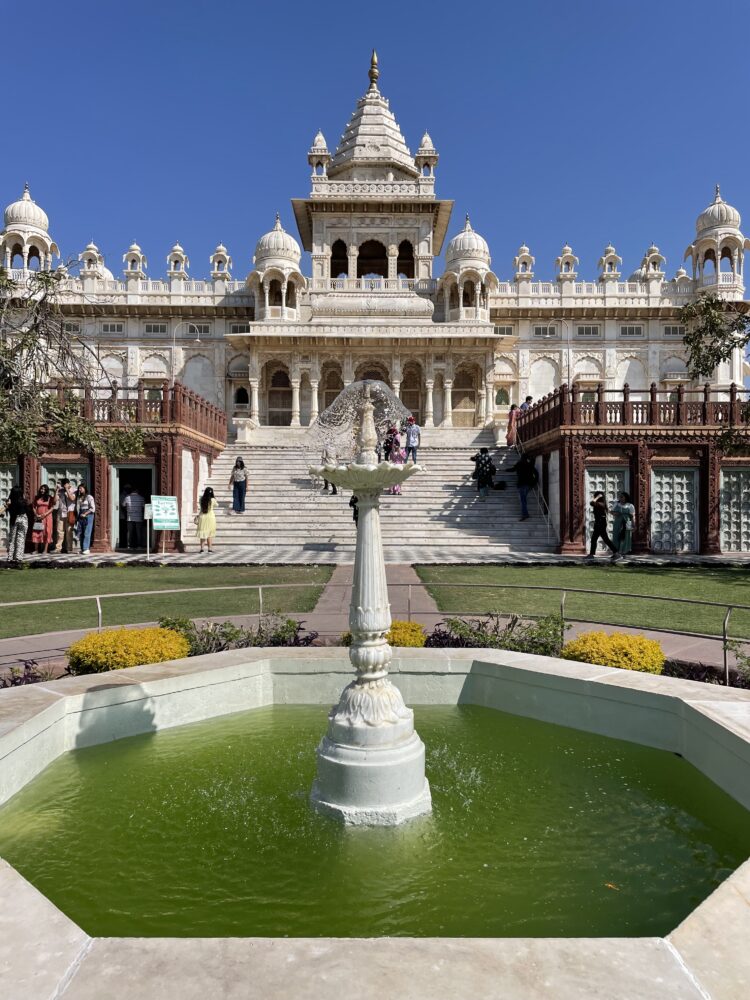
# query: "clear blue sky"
{"points": [[581, 122]]}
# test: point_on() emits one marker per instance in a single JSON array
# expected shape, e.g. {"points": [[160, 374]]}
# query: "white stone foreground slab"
{"points": [[44, 955]]}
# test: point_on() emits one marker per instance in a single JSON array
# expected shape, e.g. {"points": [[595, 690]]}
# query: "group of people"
{"points": [[623, 525], [514, 413], [64, 517], [484, 472]]}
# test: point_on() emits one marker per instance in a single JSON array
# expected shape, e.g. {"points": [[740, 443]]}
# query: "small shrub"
{"points": [[542, 637], [629, 652], [216, 637], [125, 647], [400, 634], [28, 673]]}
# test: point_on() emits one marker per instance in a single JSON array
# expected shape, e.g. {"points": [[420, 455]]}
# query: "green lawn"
{"points": [[54, 615], [726, 585]]}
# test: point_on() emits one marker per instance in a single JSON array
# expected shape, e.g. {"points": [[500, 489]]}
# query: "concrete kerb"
{"points": [[710, 726]]}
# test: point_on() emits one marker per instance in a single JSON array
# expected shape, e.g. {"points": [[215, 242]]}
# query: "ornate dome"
{"points": [[277, 245], [719, 213], [26, 212], [319, 142], [468, 247]]}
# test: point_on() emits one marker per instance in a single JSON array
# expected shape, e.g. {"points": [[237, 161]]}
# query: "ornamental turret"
{"points": [[567, 265], [221, 263], [718, 251], [427, 156], [25, 241], [135, 262], [319, 155], [609, 264], [177, 263], [523, 264]]}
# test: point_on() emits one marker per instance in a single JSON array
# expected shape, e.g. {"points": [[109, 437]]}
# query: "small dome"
{"points": [[718, 213], [277, 244], [426, 142], [26, 212], [91, 248], [523, 250], [177, 248], [467, 246], [680, 274], [609, 250], [221, 249], [653, 249], [134, 248], [319, 142], [566, 251]]}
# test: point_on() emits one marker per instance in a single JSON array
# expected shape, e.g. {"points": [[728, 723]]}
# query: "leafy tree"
{"points": [[37, 352], [713, 329]]}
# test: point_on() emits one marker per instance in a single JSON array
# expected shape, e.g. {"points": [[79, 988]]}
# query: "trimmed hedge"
{"points": [[125, 647], [628, 652]]}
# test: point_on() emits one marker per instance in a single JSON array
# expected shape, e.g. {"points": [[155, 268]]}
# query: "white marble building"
{"points": [[459, 342]]}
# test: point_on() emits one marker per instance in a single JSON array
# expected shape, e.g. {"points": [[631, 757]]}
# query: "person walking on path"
{"points": [[484, 470], [19, 509], [45, 506], [413, 439], [85, 513], [135, 508], [510, 434], [526, 479], [329, 456], [599, 508], [623, 525], [238, 482], [206, 519]]}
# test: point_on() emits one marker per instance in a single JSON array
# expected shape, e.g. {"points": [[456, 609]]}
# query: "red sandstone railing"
{"points": [[151, 406], [628, 407]]}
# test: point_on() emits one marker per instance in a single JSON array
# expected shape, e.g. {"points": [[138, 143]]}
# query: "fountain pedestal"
{"points": [[371, 761]]}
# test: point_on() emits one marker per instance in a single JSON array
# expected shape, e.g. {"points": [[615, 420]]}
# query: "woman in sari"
{"points": [[43, 510], [510, 434], [622, 526]]}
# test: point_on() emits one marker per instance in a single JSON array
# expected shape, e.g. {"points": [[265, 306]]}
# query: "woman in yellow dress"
{"points": [[206, 519]]}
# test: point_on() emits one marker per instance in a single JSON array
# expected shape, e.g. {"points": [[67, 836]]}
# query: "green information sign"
{"points": [[165, 513]]}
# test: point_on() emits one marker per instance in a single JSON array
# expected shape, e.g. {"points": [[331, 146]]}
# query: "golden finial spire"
{"points": [[374, 72]]}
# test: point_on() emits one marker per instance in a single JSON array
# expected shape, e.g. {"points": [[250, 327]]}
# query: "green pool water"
{"points": [[537, 830]]}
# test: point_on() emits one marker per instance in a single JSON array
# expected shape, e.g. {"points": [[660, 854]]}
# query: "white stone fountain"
{"points": [[371, 762]]}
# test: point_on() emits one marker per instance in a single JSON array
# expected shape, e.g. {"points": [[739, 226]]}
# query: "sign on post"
{"points": [[165, 515]]}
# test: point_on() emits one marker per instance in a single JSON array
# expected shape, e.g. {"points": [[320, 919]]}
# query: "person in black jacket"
{"points": [[599, 507], [484, 470], [526, 479]]}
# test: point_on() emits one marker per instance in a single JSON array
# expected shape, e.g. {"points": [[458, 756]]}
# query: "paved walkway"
{"points": [[341, 554]]}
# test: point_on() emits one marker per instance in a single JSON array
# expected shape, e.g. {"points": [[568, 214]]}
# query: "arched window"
{"points": [[274, 293], [16, 257], [372, 260], [339, 260], [566, 266], [220, 265], [709, 262], [502, 397], [241, 397], [34, 260], [133, 264], [453, 297], [469, 293], [405, 261], [524, 267], [291, 295], [726, 255]]}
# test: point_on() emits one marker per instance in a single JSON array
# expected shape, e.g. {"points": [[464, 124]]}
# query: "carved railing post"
{"points": [[564, 405], [734, 406], [627, 406], [88, 403], [653, 409], [114, 414], [575, 406], [165, 402], [679, 415], [707, 415], [600, 416], [140, 413]]}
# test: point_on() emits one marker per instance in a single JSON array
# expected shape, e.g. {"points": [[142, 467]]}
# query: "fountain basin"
{"points": [[710, 727]]}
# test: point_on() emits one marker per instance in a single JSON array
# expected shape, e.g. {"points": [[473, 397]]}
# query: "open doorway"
{"points": [[126, 478]]}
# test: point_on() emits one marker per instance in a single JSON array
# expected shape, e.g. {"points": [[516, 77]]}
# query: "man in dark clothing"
{"points": [[484, 470], [526, 479], [599, 507], [354, 504]]}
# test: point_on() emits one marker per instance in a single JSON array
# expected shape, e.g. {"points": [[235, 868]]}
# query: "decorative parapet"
{"points": [[421, 187]]}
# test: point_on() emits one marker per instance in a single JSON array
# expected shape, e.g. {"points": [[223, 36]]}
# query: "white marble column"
{"points": [[447, 403], [428, 403], [295, 403], [314, 400], [397, 387], [489, 401], [254, 401], [482, 406]]}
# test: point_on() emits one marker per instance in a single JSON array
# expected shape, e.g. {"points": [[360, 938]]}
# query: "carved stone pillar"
{"points": [[489, 416], [447, 403], [295, 402], [352, 254], [573, 540], [482, 406], [641, 495], [254, 401], [392, 262], [428, 403], [710, 499], [313, 400]]}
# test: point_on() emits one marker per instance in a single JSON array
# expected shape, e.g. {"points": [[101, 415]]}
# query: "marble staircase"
{"points": [[439, 508]]}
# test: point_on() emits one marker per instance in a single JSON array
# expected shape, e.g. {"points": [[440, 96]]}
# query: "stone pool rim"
{"points": [[43, 954]]}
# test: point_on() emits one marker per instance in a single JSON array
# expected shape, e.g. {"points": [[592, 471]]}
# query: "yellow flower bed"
{"points": [[125, 647], [399, 634], [629, 652]]}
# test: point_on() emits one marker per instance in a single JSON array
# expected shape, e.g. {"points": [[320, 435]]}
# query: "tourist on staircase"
{"points": [[329, 456], [388, 443], [238, 482], [205, 520], [510, 434], [526, 479], [484, 470], [413, 439], [396, 456], [599, 508]]}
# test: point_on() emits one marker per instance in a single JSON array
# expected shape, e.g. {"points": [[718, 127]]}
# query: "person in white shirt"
{"points": [[413, 438]]}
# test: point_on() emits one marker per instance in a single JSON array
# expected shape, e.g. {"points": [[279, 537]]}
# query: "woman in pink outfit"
{"points": [[510, 436]]}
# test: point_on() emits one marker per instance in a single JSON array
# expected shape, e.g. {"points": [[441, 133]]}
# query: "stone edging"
{"points": [[45, 955]]}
